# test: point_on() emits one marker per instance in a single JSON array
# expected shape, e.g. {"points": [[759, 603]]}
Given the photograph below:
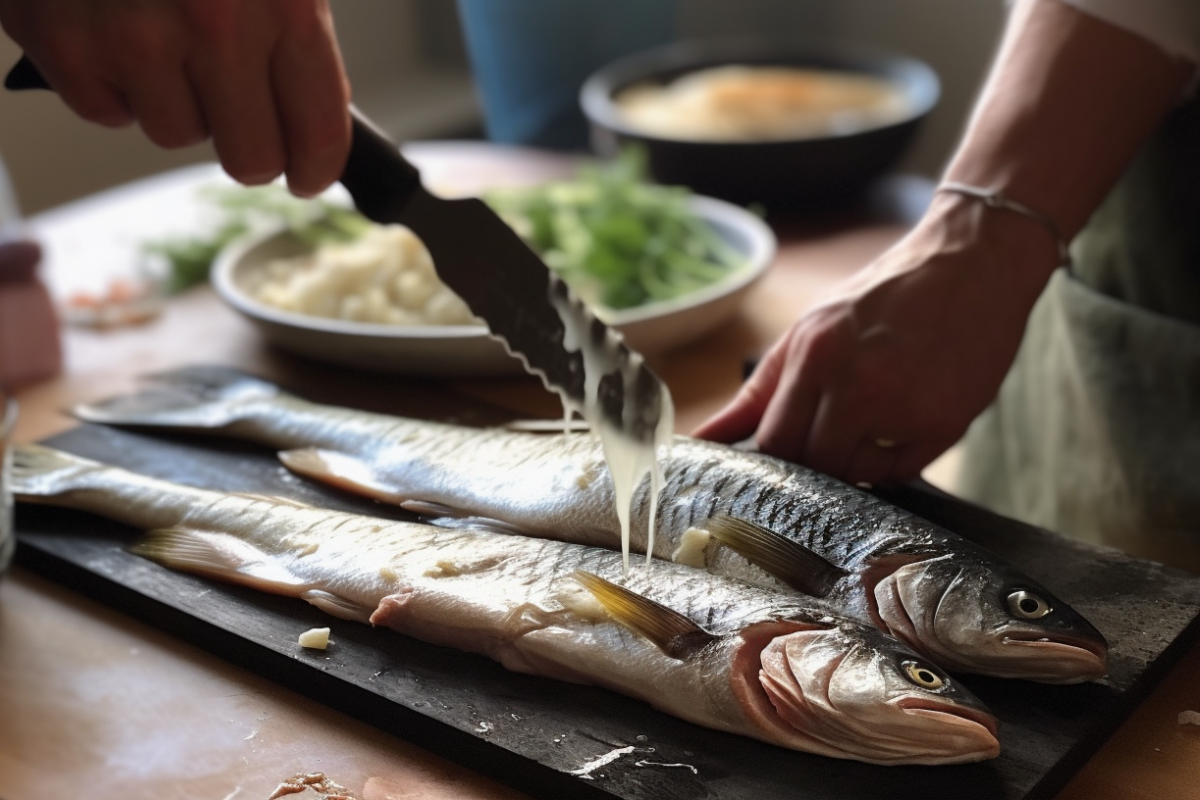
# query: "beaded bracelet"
{"points": [[996, 199]]}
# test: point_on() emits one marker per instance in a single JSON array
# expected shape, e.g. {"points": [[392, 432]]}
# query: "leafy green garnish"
{"points": [[617, 239], [614, 237], [241, 210]]}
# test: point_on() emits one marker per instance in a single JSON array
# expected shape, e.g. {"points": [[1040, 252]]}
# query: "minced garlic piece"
{"points": [[691, 548], [444, 569], [315, 638], [582, 604]]}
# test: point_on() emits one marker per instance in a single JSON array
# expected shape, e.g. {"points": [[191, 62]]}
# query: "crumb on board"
{"points": [[315, 638], [320, 786], [1189, 717]]}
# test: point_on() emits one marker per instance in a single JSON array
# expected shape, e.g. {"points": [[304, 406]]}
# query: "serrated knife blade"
{"points": [[505, 283]]}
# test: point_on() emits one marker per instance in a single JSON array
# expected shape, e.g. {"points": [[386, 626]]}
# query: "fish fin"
{"points": [[39, 471], [340, 470], [273, 499], [446, 517], [672, 632], [195, 398], [438, 513], [339, 607], [788, 560], [220, 556]]}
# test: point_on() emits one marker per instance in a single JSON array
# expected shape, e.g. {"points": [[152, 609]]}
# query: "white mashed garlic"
{"points": [[385, 277], [315, 638]]}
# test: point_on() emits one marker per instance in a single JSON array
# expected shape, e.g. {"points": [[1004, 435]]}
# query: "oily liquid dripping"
{"points": [[630, 457], [629, 461]]}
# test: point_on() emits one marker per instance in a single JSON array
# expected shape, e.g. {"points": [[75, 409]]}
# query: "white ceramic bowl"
{"points": [[465, 350]]}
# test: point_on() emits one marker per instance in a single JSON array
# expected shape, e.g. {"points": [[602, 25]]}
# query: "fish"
{"points": [[780, 669], [732, 512]]}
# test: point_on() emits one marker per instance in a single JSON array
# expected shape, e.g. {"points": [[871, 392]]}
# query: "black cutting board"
{"points": [[532, 733]]}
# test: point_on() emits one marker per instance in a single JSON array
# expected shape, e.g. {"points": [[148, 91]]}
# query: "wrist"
{"points": [[999, 201], [1023, 250]]}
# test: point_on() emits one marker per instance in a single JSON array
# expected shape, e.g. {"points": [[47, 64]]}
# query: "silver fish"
{"points": [[781, 525], [765, 665]]}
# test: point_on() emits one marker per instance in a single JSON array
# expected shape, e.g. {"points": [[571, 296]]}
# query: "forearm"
{"points": [[1069, 101]]}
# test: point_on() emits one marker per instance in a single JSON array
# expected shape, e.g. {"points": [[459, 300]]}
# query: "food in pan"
{"points": [[943, 596], [779, 668], [745, 103]]}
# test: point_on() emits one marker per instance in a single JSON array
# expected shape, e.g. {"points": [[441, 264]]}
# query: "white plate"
{"points": [[461, 350]]}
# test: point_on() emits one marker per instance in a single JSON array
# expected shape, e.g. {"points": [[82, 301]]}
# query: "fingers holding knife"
{"points": [[263, 78]]}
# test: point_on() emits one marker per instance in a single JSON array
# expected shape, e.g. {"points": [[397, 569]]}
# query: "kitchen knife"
{"points": [[503, 281]]}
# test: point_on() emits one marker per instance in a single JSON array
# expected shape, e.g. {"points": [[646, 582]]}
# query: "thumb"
{"points": [[739, 419]]}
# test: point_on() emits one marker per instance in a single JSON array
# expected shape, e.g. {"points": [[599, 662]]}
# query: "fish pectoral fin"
{"points": [[221, 556], [273, 499], [445, 516], [788, 560], [672, 632], [338, 606], [341, 470]]}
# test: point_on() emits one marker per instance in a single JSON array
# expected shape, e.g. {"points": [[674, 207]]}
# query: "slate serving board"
{"points": [[551, 739]]}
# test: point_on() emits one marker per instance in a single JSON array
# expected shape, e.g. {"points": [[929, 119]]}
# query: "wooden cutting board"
{"points": [[556, 740]]}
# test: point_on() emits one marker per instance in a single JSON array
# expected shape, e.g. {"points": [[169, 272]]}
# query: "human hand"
{"points": [[885, 375], [263, 78]]}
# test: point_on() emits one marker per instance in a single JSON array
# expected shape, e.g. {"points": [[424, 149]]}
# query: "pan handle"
{"points": [[379, 179]]}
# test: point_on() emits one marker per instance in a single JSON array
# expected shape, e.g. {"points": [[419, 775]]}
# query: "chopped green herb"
{"points": [[242, 209], [614, 237], [617, 239]]}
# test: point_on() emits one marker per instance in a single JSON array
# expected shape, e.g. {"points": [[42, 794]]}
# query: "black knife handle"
{"points": [[24, 75], [379, 179]]}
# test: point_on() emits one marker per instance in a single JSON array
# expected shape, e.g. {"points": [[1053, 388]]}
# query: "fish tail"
{"points": [[197, 397], [42, 472]]}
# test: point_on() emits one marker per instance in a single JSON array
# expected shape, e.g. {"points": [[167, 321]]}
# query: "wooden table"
{"points": [[94, 703]]}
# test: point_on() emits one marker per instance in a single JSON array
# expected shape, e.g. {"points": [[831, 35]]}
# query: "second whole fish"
{"points": [[776, 668], [775, 524]]}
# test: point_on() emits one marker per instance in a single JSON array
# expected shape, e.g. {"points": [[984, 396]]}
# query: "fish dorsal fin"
{"points": [[670, 631], [786, 559]]}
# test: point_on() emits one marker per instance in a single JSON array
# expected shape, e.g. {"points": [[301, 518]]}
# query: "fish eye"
{"points": [[1028, 605], [923, 676]]}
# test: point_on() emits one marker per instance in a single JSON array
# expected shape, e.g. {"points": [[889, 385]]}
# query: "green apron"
{"points": [[1096, 430]]}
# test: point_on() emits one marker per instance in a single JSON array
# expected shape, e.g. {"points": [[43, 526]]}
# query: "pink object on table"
{"points": [[30, 347]]}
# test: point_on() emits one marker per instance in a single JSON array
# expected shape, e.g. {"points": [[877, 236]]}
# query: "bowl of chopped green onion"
{"points": [[660, 264]]}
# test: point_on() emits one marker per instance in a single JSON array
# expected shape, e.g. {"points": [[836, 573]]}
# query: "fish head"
{"points": [[863, 695], [978, 616]]}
